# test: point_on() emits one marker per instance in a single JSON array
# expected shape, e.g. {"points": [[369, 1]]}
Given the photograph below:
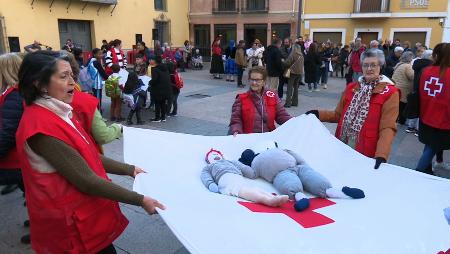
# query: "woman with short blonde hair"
{"points": [[9, 68]]}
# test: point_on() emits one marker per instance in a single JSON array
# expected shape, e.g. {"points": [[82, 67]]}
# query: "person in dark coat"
{"points": [[274, 64], [160, 89], [312, 64], [392, 61]]}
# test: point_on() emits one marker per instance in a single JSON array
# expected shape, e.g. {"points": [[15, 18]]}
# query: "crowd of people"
{"points": [[375, 99], [72, 204]]}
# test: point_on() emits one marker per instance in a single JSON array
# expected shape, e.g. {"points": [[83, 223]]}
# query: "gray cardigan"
{"points": [[212, 173]]}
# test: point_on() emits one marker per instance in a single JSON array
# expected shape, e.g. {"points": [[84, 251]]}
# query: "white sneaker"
{"points": [[317, 90], [324, 86], [310, 90], [441, 166]]}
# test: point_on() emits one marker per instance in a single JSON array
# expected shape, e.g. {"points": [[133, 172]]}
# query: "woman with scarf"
{"points": [[367, 111], [216, 59], [230, 66]]}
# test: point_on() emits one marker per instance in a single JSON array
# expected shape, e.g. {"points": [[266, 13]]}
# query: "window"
{"points": [[160, 5], [256, 5], [163, 31], [227, 5]]}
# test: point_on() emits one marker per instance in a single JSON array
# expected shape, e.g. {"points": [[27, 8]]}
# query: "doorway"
{"points": [[202, 40], [228, 33], [367, 37], [257, 31], [77, 30]]}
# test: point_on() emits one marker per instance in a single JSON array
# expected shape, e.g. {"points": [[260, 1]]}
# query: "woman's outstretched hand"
{"points": [[149, 204]]}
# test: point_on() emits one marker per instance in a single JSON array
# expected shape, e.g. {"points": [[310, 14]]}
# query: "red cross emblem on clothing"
{"points": [[307, 218], [433, 87], [270, 94]]}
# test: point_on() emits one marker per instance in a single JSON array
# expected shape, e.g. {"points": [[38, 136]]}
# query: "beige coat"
{"points": [[404, 79]]}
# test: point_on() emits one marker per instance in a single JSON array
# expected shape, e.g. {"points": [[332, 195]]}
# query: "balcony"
{"points": [[371, 9], [225, 7], [254, 6]]}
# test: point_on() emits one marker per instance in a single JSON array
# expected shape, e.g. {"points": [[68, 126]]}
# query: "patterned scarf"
{"points": [[356, 114]]}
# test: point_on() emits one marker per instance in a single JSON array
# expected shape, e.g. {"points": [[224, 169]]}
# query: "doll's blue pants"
{"points": [[301, 178]]}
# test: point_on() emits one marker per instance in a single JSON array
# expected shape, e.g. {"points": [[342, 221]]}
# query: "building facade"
{"points": [[407, 20], [241, 20], [422, 21], [88, 22]]}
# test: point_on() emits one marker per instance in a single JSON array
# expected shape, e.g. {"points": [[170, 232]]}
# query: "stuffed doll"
{"points": [[290, 175], [226, 177]]}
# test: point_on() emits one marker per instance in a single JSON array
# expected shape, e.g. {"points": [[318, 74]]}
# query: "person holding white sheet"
{"points": [[367, 112], [226, 177]]}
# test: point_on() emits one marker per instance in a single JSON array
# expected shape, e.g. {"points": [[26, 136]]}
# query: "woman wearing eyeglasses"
{"points": [[367, 111], [258, 109]]}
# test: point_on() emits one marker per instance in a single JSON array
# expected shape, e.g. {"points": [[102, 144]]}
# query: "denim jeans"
{"points": [[426, 158], [324, 73], [240, 74]]}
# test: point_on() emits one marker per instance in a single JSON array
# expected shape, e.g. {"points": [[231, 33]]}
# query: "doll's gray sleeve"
{"points": [[206, 176], [247, 171], [298, 158]]}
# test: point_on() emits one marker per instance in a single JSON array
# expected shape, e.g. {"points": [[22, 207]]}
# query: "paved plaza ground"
{"points": [[204, 109]]}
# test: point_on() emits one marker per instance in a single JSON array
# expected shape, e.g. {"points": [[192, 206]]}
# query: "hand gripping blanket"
{"points": [[401, 213]]}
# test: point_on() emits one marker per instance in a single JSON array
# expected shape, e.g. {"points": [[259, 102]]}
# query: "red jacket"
{"points": [[434, 94], [252, 113], [64, 220], [369, 134], [216, 50], [84, 106], [355, 59]]}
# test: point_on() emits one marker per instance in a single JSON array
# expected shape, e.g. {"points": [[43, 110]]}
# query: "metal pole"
{"points": [[299, 20]]}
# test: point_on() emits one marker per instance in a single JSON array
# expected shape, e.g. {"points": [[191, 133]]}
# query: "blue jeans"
{"points": [[98, 94], [324, 73], [426, 158]]}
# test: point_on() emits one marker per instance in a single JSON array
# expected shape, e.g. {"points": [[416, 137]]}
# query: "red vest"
{"points": [[84, 106], [64, 220], [115, 60], [249, 111], [11, 160], [434, 94], [369, 134]]}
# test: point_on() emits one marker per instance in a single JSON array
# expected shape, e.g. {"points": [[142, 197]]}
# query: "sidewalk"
{"points": [[204, 109]]}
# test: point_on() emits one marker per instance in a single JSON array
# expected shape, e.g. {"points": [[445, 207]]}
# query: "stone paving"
{"points": [[202, 116]]}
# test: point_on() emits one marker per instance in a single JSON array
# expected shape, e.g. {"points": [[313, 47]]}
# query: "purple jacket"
{"points": [[260, 124]]}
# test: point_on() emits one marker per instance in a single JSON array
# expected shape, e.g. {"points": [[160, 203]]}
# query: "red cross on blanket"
{"points": [[307, 218]]}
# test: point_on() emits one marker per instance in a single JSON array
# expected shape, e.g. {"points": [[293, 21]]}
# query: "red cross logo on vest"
{"points": [[433, 87], [307, 218], [270, 94]]}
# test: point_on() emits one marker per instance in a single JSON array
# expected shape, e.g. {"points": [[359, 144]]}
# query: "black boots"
{"points": [[130, 117], [138, 117]]}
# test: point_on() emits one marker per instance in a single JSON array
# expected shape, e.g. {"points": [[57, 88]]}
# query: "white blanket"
{"points": [[402, 211]]}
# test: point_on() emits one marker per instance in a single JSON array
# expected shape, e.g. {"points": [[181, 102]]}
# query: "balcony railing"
{"points": [[371, 6], [254, 6], [225, 6]]}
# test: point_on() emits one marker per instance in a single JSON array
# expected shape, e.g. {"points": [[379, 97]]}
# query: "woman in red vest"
{"points": [[72, 204], [258, 109], [367, 111], [434, 101]]}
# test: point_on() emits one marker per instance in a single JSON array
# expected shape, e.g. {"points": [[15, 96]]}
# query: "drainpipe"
{"points": [[299, 19], [293, 8]]}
